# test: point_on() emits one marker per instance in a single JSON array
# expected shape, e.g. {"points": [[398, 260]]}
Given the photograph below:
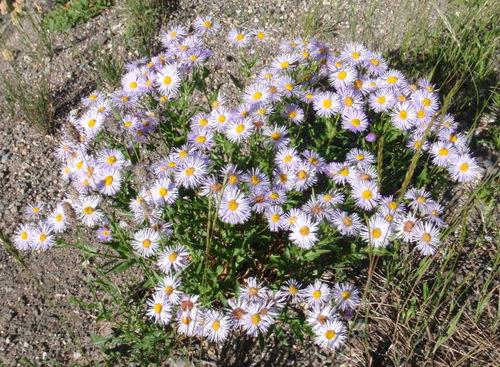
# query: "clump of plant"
{"points": [[232, 213], [67, 14]]}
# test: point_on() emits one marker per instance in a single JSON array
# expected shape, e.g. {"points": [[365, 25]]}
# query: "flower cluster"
{"points": [[256, 309], [299, 190]]}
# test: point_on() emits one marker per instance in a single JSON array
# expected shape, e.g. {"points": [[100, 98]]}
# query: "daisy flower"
{"points": [[285, 61], [360, 157], [377, 232], [199, 121], [276, 195], [34, 211], [206, 25], [342, 78], [319, 315], [290, 290], [237, 309], [146, 242], [109, 181], [464, 168], [104, 234], [347, 224], [174, 34], [254, 322], [331, 198], [426, 236], [168, 80], [375, 64], [133, 83], [238, 37], [346, 296], [366, 195], [188, 322], [393, 79], [403, 116], [93, 98], [260, 35], [434, 210], [87, 212], [382, 100], [305, 176], [111, 158], [202, 139], [287, 158], [419, 199], [169, 287], [317, 294], [294, 113], [239, 130], [164, 192], [57, 220], [217, 326], [443, 153], [219, 118], [354, 120], [339, 171], [252, 291], [173, 259], [331, 335], [404, 227], [274, 216], [303, 232], [42, 237], [276, 136], [23, 237], [234, 207], [314, 159], [284, 179], [349, 100], [354, 54], [256, 93], [191, 173], [326, 104], [256, 178], [159, 309]]}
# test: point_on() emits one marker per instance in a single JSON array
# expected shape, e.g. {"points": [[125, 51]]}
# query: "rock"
{"points": [[5, 157]]}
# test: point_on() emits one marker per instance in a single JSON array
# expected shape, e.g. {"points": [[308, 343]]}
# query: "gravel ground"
{"points": [[29, 328]]}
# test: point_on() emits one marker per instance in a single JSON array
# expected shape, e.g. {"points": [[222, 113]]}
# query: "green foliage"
{"points": [[68, 14]]}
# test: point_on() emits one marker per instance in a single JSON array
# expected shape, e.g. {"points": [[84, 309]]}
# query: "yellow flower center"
{"points": [[276, 136], [173, 256], [43, 237], [239, 37], [374, 62], [255, 180], [285, 64], [304, 231], [216, 325], [189, 171], [274, 195], [344, 172], [347, 221], [163, 192], [167, 80], [463, 167], [426, 102], [355, 122], [133, 85], [346, 295], [233, 205], [426, 237], [169, 290], [92, 123], [207, 24], [287, 159], [232, 179], [360, 157], [421, 114], [240, 129], [302, 175], [183, 154], [330, 334], [289, 86], [403, 115], [108, 180], [93, 96], [283, 178], [293, 290], [381, 99], [316, 294], [260, 35], [327, 103], [443, 152], [376, 233], [222, 119], [24, 236], [367, 194], [342, 75], [355, 55], [392, 80], [421, 200], [392, 205], [88, 210], [348, 101], [275, 218], [292, 114], [201, 139], [146, 243], [255, 319]]}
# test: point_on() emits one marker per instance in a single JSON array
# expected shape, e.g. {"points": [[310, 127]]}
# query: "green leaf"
{"points": [[122, 266]]}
